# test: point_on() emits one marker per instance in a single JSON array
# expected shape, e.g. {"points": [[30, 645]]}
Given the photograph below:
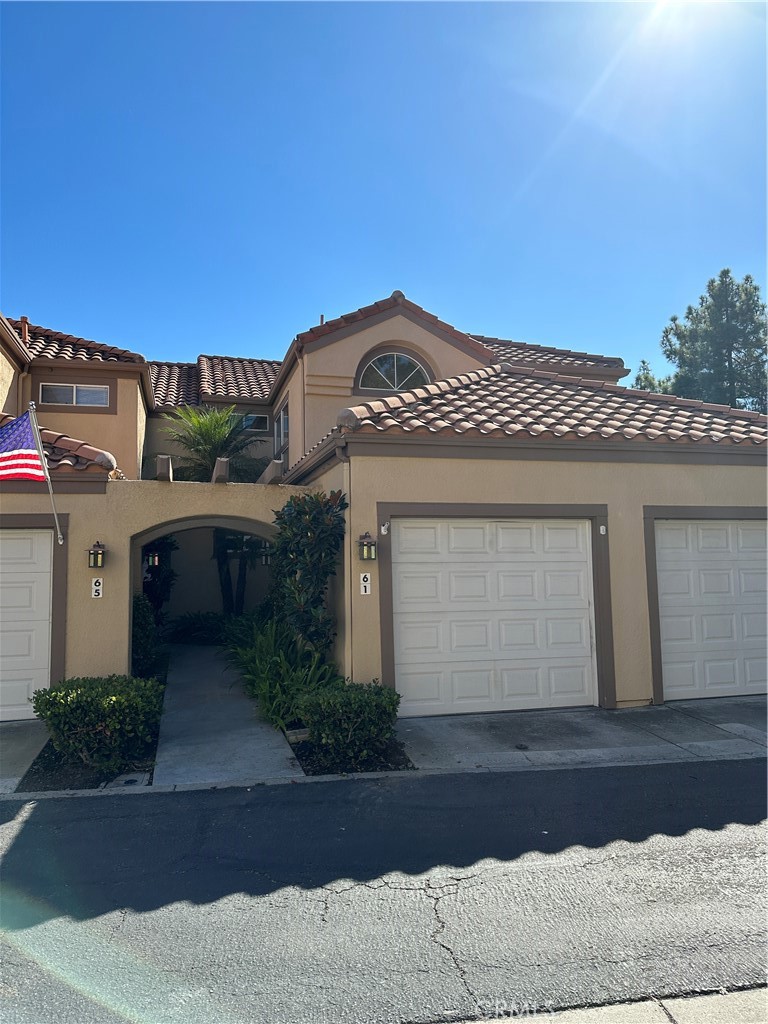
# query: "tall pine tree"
{"points": [[720, 346]]}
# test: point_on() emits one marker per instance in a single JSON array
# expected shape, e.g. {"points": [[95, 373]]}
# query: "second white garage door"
{"points": [[712, 607], [492, 616]]}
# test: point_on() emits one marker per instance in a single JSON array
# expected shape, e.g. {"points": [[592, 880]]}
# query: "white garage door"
{"points": [[492, 616], [712, 607], [25, 618]]}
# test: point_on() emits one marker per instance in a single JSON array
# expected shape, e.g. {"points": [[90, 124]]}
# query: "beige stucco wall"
{"points": [[120, 433], [623, 487], [98, 631], [9, 375]]}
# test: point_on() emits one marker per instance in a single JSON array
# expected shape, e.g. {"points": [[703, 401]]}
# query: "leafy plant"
{"points": [[207, 433], [146, 651], [310, 530], [278, 673], [351, 724], [109, 722]]}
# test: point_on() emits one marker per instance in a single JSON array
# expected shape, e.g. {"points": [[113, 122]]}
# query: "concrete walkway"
{"points": [[20, 743], [210, 732], [725, 728]]}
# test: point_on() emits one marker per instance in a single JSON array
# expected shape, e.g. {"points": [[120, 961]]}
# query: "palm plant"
{"points": [[207, 433]]}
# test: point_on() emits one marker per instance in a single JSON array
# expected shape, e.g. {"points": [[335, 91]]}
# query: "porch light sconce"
{"points": [[367, 548], [266, 554], [153, 559], [96, 555]]}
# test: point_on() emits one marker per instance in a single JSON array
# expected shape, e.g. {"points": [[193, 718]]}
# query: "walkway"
{"points": [[210, 732]]}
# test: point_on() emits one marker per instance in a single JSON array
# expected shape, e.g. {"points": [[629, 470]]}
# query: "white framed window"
{"points": [[256, 422], [75, 394], [281, 430], [393, 371]]}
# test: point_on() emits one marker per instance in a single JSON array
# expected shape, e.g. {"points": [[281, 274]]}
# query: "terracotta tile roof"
{"points": [[67, 453], [233, 377], [502, 401], [395, 299], [41, 341], [175, 383], [212, 377], [540, 357]]}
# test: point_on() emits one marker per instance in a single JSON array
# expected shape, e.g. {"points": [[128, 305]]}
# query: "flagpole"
{"points": [[41, 453]]}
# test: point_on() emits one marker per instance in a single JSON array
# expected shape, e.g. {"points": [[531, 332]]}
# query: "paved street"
{"points": [[438, 898]]}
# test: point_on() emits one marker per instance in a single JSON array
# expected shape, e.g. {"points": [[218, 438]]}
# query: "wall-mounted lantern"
{"points": [[96, 555], [153, 559], [367, 548], [266, 553]]}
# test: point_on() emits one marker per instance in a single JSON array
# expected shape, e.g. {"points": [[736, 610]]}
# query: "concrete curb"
{"points": [[192, 787], [738, 1006]]}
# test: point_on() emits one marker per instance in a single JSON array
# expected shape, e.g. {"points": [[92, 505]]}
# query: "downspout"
{"points": [[25, 372]]}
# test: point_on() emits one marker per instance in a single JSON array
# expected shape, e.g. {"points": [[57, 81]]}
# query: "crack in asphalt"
{"points": [[118, 925], [438, 932]]}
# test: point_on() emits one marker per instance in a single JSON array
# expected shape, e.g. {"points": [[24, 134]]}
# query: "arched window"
{"points": [[393, 371]]}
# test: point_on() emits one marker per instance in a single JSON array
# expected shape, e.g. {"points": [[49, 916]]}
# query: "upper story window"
{"points": [[281, 430], [256, 422], [393, 371], [75, 394]]}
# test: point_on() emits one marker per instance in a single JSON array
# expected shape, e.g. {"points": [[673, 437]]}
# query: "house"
{"points": [[546, 537]]}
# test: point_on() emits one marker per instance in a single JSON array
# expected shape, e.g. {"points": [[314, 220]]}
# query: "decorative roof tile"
{"points": [[521, 353], [236, 378], [45, 343], [505, 401], [175, 383]]}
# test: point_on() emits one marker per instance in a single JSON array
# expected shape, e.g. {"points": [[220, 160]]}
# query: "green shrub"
{"points": [[305, 553], [146, 652], [352, 724], [205, 628], [241, 630], [109, 722], [277, 672]]}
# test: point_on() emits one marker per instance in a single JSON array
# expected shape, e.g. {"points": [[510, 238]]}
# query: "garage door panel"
{"points": [[504, 622], [25, 551], [713, 630]]}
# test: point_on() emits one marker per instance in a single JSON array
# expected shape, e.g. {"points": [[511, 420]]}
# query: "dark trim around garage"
{"points": [[650, 514], [601, 577], [58, 582]]}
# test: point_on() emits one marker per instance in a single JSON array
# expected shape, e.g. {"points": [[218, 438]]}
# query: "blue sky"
{"points": [[184, 178]]}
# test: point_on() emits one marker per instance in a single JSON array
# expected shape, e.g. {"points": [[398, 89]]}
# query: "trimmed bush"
{"points": [[277, 672], [108, 722], [352, 724], [146, 655]]}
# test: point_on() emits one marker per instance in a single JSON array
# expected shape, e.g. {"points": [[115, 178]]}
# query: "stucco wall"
{"points": [[9, 375], [118, 432], [624, 488], [98, 631]]}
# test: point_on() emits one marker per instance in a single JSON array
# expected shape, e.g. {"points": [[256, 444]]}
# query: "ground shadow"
{"points": [[84, 857]]}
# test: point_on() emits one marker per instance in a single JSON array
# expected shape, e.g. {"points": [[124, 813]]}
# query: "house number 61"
{"points": [[365, 583]]}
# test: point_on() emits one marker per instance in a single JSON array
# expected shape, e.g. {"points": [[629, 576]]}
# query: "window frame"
{"points": [[280, 436], [267, 429], [395, 350], [74, 404]]}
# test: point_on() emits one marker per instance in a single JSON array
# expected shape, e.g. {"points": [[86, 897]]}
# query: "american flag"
{"points": [[19, 457]]}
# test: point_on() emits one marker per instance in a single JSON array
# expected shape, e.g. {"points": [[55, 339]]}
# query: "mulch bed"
{"points": [[315, 761], [52, 771]]}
